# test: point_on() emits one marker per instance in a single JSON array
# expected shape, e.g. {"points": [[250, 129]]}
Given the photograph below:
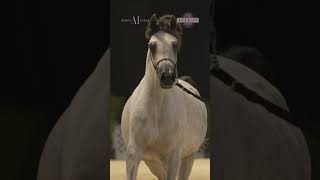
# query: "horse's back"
{"points": [[189, 80], [189, 85], [197, 107]]}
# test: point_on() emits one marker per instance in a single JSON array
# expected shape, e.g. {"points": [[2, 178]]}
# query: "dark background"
{"points": [[50, 47]]}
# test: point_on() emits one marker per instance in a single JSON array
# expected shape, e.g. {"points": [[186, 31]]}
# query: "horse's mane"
{"points": [[167, 23]]}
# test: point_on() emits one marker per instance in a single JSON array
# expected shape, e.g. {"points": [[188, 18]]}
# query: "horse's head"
{"points": [[164, 37], [163, 49]]}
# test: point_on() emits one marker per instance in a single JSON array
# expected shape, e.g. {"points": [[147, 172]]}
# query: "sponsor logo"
{"points": [[135, 20], [187, 20]]}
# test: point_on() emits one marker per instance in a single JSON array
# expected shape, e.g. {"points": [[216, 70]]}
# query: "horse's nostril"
{"points": [[163, 77], [173, 78]]}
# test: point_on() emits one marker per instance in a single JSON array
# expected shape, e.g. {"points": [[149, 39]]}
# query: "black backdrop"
{"points": [[50, 47]]}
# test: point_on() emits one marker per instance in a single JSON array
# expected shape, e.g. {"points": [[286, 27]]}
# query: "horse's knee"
{"points": [[133, 152], [132, 163]]}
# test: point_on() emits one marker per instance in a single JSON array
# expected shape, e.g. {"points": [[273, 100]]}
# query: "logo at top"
{"points": [[188, 20]]}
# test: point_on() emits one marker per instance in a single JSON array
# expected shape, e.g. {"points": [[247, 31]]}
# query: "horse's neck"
{"points": [[151, 82]]}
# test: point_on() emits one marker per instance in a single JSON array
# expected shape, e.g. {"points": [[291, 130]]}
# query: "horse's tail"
{"points": [[189, 80]]}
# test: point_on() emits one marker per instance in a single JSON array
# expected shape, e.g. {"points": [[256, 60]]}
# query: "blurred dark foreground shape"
{"points": [[77, 147], [250, 142]]}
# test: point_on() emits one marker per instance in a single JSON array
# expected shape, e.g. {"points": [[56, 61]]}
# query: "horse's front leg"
{"points": [[174, 161], [186, 167], [133, 160]]}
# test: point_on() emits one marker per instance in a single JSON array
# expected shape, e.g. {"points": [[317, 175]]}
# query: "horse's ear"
{"points": [[152, 26], [173, 22], [179, 33], [153, 21]]}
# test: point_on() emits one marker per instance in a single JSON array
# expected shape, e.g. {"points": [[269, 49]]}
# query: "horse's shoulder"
{"points": [[134, 108]]}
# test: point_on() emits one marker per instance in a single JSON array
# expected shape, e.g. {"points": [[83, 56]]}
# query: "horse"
{"points": [[161, 124]]}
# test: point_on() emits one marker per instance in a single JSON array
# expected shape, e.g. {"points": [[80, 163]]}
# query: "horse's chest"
{"points": [[162, 120], [166, 126]]}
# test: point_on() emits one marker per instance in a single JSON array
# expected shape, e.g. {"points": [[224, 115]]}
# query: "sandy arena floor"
{"points": [[200, 171]]}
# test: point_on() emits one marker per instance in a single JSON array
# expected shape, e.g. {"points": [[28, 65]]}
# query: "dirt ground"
{"points": [[200, 171]]}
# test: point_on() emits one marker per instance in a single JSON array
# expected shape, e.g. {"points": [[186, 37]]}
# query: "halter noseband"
{"points": [[164, 59]]}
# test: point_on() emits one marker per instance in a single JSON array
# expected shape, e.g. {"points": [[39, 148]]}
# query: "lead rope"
{"points": [[191, 93]]}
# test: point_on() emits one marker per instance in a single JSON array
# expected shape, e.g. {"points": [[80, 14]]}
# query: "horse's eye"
{"points": [[152, 45], [175, 44]]}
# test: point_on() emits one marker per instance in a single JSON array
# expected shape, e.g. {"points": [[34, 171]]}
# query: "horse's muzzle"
{"points": [[167, 78]]}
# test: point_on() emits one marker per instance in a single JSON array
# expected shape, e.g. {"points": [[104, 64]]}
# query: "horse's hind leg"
{"points": [[133, 161], [157, 168], [186, 167]]}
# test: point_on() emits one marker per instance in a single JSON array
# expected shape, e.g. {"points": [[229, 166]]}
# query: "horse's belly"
{"points": [[195, 130], [186, 138], [165, 144], [192, 145], [166, 139]]}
